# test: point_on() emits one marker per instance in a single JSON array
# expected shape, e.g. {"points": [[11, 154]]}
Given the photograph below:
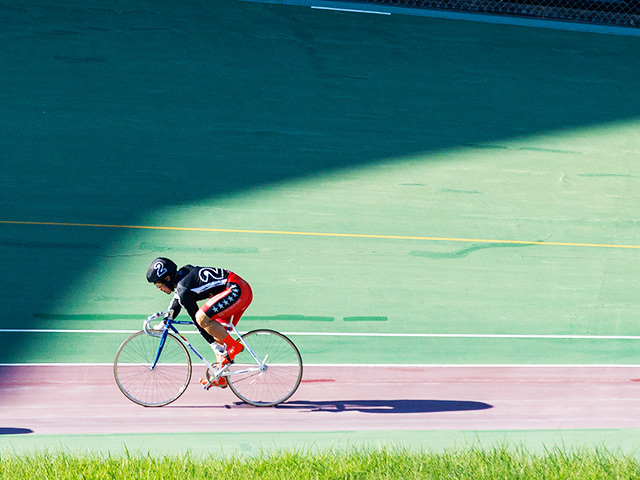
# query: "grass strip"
{"points": [[381, 463]]}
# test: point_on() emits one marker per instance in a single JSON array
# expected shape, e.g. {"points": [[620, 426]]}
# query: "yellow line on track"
{"points": [[321, 234]]}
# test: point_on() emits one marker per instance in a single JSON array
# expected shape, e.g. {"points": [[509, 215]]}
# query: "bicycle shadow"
{"points": [[386, 406], [363, 406]]}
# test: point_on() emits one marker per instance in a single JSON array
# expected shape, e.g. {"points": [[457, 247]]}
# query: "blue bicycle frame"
{"points": [[165, 332], [169, 326]]}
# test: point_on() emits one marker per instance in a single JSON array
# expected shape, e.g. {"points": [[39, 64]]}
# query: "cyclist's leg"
{"points": [[233, 312], [208, 337], [226, 307], [215, 332]]}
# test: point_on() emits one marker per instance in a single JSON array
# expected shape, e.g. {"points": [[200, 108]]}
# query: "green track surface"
{"points": [[274, 118], [101, 348], [252, 444]]}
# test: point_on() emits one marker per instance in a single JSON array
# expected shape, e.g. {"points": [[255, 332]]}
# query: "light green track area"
{"points": [[240, 444], [273, 118]]}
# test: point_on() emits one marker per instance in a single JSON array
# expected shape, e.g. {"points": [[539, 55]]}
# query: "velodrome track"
{"points": [[433, 407], [397, 190]]}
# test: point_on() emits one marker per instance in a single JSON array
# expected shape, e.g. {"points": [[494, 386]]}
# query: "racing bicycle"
{"points": [[153, 366]]}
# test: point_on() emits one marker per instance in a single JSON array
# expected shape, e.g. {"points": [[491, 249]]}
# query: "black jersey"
{"points": [[194, 284]]}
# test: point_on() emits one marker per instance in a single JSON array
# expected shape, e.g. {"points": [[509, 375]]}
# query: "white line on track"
{"points": [[348, 334], [378, 365], [315, 7], [51, 330]]}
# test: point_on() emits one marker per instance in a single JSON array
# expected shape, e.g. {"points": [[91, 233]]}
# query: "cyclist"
{"points": [[228, 296]]}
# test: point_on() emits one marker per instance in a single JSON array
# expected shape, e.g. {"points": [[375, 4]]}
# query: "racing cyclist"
{"points": [[227, 295]]}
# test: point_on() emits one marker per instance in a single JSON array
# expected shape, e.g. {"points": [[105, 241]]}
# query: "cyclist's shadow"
{"points": [[386, 406]]}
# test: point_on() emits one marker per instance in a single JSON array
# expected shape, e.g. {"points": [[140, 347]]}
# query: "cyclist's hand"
{"points": [[160, 326], [163, 324]]}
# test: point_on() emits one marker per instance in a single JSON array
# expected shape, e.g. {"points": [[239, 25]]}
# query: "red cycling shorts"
{"points": [[229, 305]]}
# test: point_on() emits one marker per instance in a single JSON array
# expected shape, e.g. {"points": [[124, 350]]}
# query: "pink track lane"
{"points": [[85, 400]]}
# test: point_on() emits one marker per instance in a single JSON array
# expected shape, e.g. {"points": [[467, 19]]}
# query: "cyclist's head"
{"points": [[162, 270]]}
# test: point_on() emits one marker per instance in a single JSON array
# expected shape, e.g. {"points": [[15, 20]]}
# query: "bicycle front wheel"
{"points": [[273, 376], [147, 385]]}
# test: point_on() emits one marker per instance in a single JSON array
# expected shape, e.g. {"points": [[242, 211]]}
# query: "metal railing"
{"points": [[607, 12]]}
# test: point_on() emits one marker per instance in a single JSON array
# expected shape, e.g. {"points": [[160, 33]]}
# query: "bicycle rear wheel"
{"points": [[271, 379], [146, 386]]}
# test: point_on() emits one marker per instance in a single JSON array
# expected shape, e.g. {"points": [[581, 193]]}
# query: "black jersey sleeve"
{"points": [[175, 305], [186, 299]]}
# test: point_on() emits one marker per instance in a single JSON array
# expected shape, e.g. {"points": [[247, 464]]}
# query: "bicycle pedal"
{"points": [[214, 382]]}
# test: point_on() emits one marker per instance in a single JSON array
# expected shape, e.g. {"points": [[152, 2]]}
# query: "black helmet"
{"points": [[159, 269]]}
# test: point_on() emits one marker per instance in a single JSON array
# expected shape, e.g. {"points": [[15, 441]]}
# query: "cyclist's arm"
{"points": [[175, 305], [186, 300]]}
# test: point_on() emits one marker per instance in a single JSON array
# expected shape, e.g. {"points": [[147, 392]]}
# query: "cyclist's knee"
{"points": [[202, 319]]}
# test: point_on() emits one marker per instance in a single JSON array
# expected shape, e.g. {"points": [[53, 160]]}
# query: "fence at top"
{"points": [[605, 12]]}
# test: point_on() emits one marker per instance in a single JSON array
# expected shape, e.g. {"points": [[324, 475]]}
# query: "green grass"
{"points": [[473, 463]]}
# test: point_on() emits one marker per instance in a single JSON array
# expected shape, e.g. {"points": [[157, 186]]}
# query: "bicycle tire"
{"points": [[152, 387], [277, 380]]}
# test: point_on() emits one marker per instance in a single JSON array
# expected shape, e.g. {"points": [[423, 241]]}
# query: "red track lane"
{"points": [[85, 400]]}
